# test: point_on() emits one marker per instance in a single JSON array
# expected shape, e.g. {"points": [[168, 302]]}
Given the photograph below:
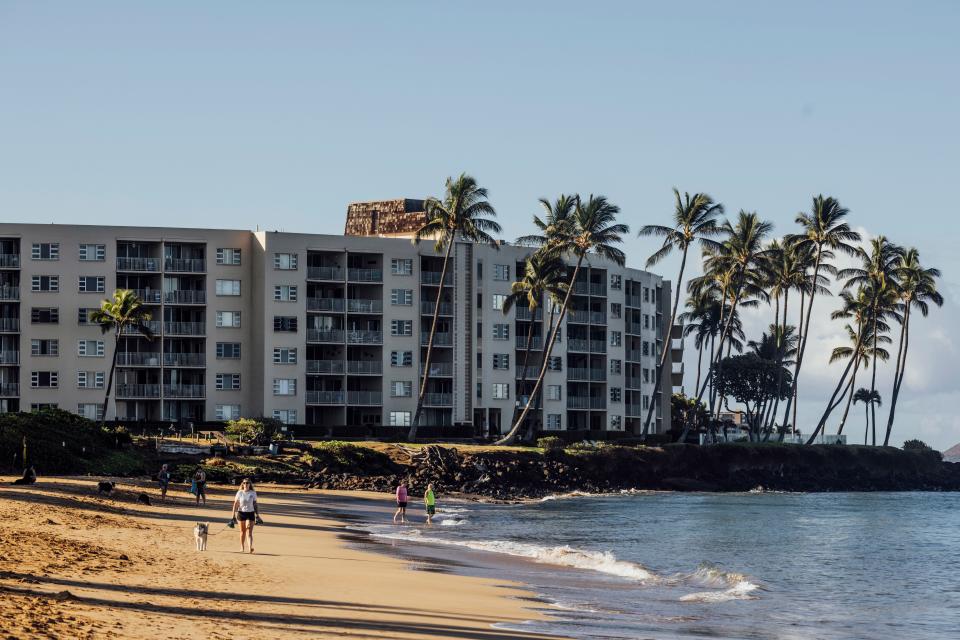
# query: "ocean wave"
{"points": [[453, 522], [572, 494], [741, 591], [738, 586]]}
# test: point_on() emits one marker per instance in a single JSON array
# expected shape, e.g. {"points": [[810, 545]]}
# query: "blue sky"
{"points": [[242, 114]]}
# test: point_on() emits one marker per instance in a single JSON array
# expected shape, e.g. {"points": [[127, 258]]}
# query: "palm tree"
{"points": [[869, 399], [464, 213], [865, 354], [779, 346], [591, 229], [123, 312], [917, 288], [694, 220], [545, 275], [557, 216]]}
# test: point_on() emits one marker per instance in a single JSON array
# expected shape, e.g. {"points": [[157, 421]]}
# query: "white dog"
{"points": [[200, 535]]}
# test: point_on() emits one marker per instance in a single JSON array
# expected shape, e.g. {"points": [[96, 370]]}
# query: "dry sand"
{"points": [[77, 565]]}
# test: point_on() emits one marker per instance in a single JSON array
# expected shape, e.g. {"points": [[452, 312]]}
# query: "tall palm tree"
{"points": [[694, 221], [556, 217], [865, 354], [591, 229], [123, 312], [824, 231], [545, 276], [869, 399], [917, 288], [464, 213]]}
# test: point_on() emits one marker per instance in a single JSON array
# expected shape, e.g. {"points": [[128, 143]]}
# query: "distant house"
{"points": [[734, 417]]}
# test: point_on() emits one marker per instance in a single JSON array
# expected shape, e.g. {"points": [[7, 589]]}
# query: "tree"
{"points": [[463, 213], [917, 288], [869, 399], [591, 229], [686, 411], [257, 432], [865, 354], [694, 221], [123, 312], [752, 381]]}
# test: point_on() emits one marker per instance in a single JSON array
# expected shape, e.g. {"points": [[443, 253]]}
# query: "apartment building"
{"points": [[319, 329]]}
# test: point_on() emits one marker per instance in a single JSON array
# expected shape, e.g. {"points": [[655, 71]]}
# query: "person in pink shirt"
{"points": [[401, 503]]}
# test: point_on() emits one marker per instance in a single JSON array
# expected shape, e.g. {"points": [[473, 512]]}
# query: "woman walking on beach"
{"points": [[200, 485], [164, 479], [401, 502], [246, 511], [430, 502]]}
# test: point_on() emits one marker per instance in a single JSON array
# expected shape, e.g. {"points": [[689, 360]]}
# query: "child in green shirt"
{"points": [[430, 501]]}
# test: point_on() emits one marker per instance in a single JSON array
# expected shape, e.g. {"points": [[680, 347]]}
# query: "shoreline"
{"points": [[73, 564]]}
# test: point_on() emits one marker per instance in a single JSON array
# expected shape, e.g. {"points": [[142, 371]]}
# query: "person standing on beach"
{"points": [[200, 485], [430, 502], [164, 479], [246, 511], [401, 502]]}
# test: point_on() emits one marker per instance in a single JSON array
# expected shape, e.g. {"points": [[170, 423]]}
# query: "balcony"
{"points": [[152, 325], [184, 391], [9, 293], [598, 289], [440, 339], [125, 390], [598, 317], [9, 389], [438, 400], [523, 314], [364, 398], [587, 373], [141, 265], [325, 397], [578, 316], [364, 306], [9, 357], [325, 335], [426, 308], [9, 260], [536, 343], [633, 410], [439, 369], [185, 265], [533, 370], [364, 367], [578, 344], [9, 325], [326, 304], [334, 274], [365, 275], [184, 328], [184, 359], [328, 367], [633, 328], [586, 402], [148, 296], [598, 346], [365, 337], [632, 301], [185, 296], [433, 278], [633, 355], [138, 359]]}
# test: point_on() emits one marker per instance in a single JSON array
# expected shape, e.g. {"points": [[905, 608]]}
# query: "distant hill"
{"points": [[952, 454]]}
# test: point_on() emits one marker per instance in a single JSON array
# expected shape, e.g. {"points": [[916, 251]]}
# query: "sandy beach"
{"points": [[77, 565]]}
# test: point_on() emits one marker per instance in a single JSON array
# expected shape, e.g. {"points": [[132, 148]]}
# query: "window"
{"points": [[228, 350], [227, 411], [230, 257], [553, 392], [45, 283], [616, 422], [646, 294], [284, 355], [400, 418], [555, 363], [286, 324], [228, 287], [553, 421], [228, 319], [284, 386], [45, 315], [401, 327], [616, 338], [646, 402], [479, 333], [401, 297], [615, 394], [501, 361], [616, 281], [90, 379], [90, 348], [401, 266], [286, 416], [83, 315], [90, 284], [285, 293], [616, 367], [479, 300], [479, 360], [646, 321], [90, 410], [44, 379], [228, 381], [616, 309], [498, 300], [285, 261], [479, 391], [479, 272], [93, 252], [501, 391], [42, 406], [45, 347], [401, 389], [501, 272], [501, 332], [45, 251], [401, 358], [645, 348]]}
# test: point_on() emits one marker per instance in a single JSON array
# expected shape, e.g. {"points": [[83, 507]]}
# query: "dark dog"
{"points": [[105, 488], [143, 499]]}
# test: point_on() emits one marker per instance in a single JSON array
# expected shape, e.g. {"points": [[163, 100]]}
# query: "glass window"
{"points": [[616, 338], [44, 379], [400, 418], [91, 284], [616, 309], [616, 281], [501, 361], [554, 392], [616, 422], [401, 389], [498, 300], [93, 252], [646, 375], [553, 421], [83, 315], [229, 319], [401, 266], [90, 379], [615, 394], [501, 332], [90, 348], [401, 297], [229, 257], [285, 324], [501, 391], [228, 411], [285, 293], [45, 283], [90, 410], [616, 367], [401, 358], [285, 261], [45, 347], [284, 355], [501, 272], [228, 287], [284, 386], [401, 327], [228, 381], [45, 251], [555, 363], [228, 350], [645, 348], [286, 416]]}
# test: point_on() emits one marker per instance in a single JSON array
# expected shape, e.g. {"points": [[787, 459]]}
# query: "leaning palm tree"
{"points": [[869, 400], [556, 217], [464, 213], [591, 229], [865, 354], [124, 312], [917, 288], [545, 276], [694, 221]]}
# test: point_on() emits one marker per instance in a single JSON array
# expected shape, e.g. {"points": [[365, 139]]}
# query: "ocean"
{"points": [[658, 565]]}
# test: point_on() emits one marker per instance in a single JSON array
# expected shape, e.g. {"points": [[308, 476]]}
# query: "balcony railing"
{"points": [[325, 335], [632, 383], [185, 265], [125, 390], [632, 301], [184, 359], [365, 367], [598, 346], [138, 359], [437, 399], [433, 277], [426, 308], [325, 273], [578, 316], [364, 398], [331, 367], [9, 260], [533, 370], [439, 369], [598, 317], [578, 344], [152, 325], [523, 313], [185, 296], [536, 342], [598, 289], [148, 296], [151, 265], [633, 410], [365, 337], [440, 339], [184, 390], [365, 275], [9, 325], [9, 389], [633, 328], [9, 293], [586, 402], [184, 328], [364, 306], [325, 397], [633, 355], [9, 357], [325, 304], [587, 373]]}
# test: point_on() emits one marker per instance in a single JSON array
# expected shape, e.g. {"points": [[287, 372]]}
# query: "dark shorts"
{"points": [[431, 509], [248, 516], [402, 505]]}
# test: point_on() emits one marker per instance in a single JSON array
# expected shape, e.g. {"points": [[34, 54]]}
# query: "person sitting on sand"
{"points": [[29, 476], [164, 479], [401, 502], [200, 485], [430, 502], [246, 511]]}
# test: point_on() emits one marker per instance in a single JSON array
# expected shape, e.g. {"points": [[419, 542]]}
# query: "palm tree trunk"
{"points": [[412, 435], [898, 374], [873, 379], [832, 404], [526, 358], [546, 357], [846, 410], [772, 419], [699, 364], [113, 367], [658, 384], [866, 422], [791, 401]]}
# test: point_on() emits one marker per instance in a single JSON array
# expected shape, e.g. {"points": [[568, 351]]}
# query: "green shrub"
{"points": [[916, 445], [258, 432], [550, 443]]}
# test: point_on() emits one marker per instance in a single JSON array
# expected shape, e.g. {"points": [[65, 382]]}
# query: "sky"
{"points": [[277, 115]]}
